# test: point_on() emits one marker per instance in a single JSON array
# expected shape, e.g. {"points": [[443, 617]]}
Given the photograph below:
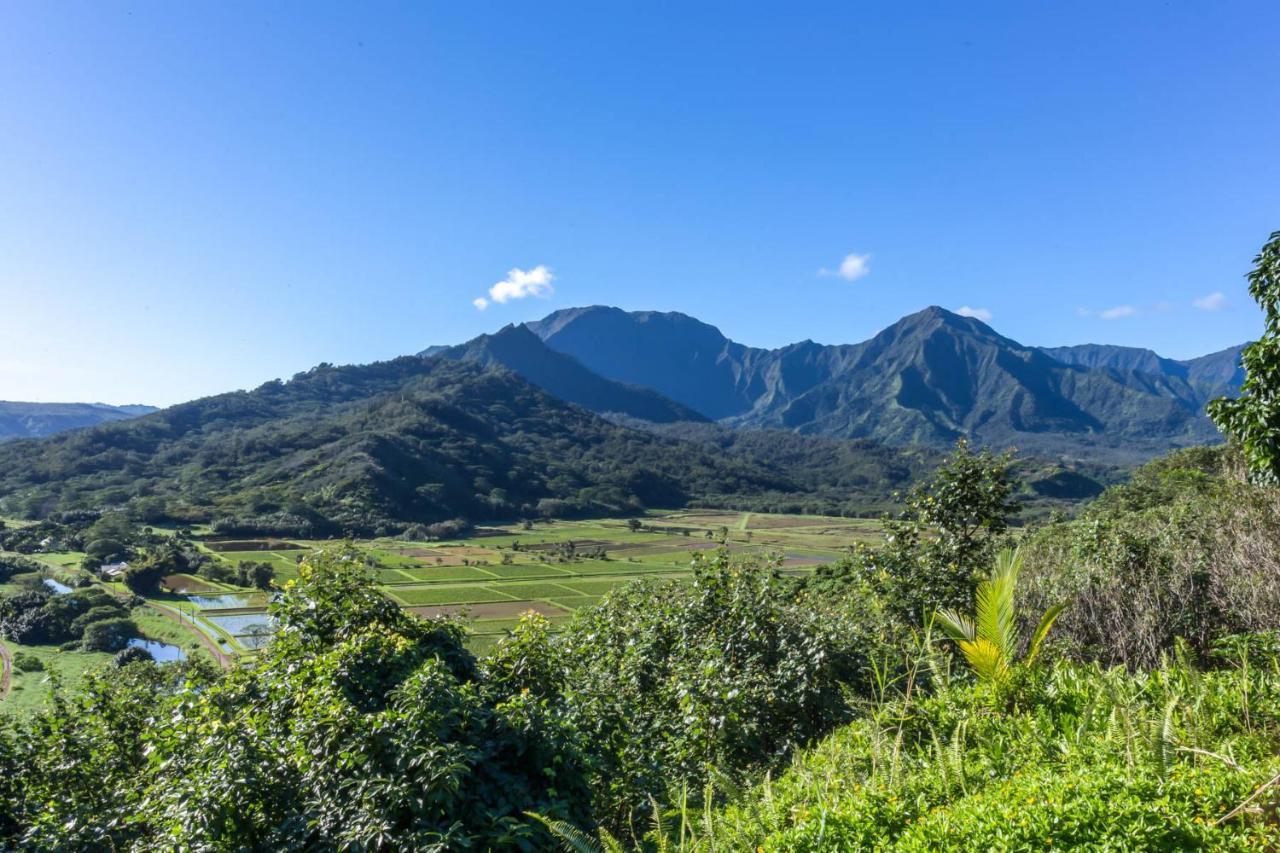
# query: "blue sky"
{"points": [[199, 197]]}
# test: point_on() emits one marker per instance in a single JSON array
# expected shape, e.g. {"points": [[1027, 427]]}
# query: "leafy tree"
{"points": [[361, 728], [944, 539], [109, 635], [10, 566], [257, 574], [105, 549], [144, 576], [1252, 420], [670, 683]]}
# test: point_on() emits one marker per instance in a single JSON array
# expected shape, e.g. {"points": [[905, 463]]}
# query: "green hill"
{"points": [[375, 447]]}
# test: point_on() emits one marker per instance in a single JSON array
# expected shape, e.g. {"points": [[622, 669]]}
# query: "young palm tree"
{"points": [[989, 639]]}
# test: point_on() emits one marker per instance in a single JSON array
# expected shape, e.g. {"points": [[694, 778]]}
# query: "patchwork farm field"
{"points": [[501, 571], [488, 579]]}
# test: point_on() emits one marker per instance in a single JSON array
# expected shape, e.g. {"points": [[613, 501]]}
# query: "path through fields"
{"points": [[224, 660]]}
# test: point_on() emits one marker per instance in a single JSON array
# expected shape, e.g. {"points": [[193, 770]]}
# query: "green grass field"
{"points": [[514, 563]]}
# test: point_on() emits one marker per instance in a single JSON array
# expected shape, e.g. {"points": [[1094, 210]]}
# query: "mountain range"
{"points": [[601, 411], [928, 379], [32, 420]]}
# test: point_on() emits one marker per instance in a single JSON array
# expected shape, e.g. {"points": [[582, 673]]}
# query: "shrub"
{"points": [[259, 575], [1187, 549], [109, 635], [132, 654], [942, 542], [1094, 759], [97, 613], [27, 662], [10, 566], [104, 550]]}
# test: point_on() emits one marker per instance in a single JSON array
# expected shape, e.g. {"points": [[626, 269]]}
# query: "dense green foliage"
{"points": [[1253, 419], [370, 449], [988, 638], [1088, 759], [743, 709], [360, 727], [1188, 548], [942, 541], [671, 683], [39, 617]]}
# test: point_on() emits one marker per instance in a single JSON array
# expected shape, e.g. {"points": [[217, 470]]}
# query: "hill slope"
{"points": [[520, 350], [374, 447], [32, 420]]}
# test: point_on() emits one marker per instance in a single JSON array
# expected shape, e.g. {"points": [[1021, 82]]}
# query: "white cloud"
{"points": [[480, 302], [853, 267], [521, 283], [1215, 301], [1118, 312], [976, 313]]}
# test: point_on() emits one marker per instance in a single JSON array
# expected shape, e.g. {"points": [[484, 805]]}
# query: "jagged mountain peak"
{"points": [[929, 377], [517, 348]]}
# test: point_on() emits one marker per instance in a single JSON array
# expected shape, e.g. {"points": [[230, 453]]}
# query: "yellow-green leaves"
{"points": [[989, 639]]}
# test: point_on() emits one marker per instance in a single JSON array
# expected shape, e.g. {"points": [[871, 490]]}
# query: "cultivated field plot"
{"points": [[553, 568]]}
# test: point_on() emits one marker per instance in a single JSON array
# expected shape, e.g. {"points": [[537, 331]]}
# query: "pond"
{"points": [[162, 652], [224, 602], [251, 630], [58, 587]]}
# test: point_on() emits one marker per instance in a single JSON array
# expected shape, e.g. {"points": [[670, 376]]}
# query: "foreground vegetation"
{"points": [[745, 707]]}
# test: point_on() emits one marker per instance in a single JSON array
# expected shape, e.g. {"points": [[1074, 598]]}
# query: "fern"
{"points": [[574, 840]]}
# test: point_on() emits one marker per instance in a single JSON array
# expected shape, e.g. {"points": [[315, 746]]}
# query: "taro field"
{"points": [[500, 572]]}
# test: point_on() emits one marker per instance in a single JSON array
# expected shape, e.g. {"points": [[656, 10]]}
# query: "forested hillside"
{"points": [[373, 448]]}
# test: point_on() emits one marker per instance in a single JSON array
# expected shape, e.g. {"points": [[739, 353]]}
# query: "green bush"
{"points": [[109, 635], [1188, 549], [360, 727], [27, 662]]}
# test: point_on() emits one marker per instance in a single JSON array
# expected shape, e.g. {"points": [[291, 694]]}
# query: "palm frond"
{"points": [[989, 639], [985, 658], [1042, 630], [956, 626]]}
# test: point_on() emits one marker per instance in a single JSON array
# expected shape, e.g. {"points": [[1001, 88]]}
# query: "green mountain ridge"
{"points": [[371, 448], [520, 350], [33, 420], [928, 379]]}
